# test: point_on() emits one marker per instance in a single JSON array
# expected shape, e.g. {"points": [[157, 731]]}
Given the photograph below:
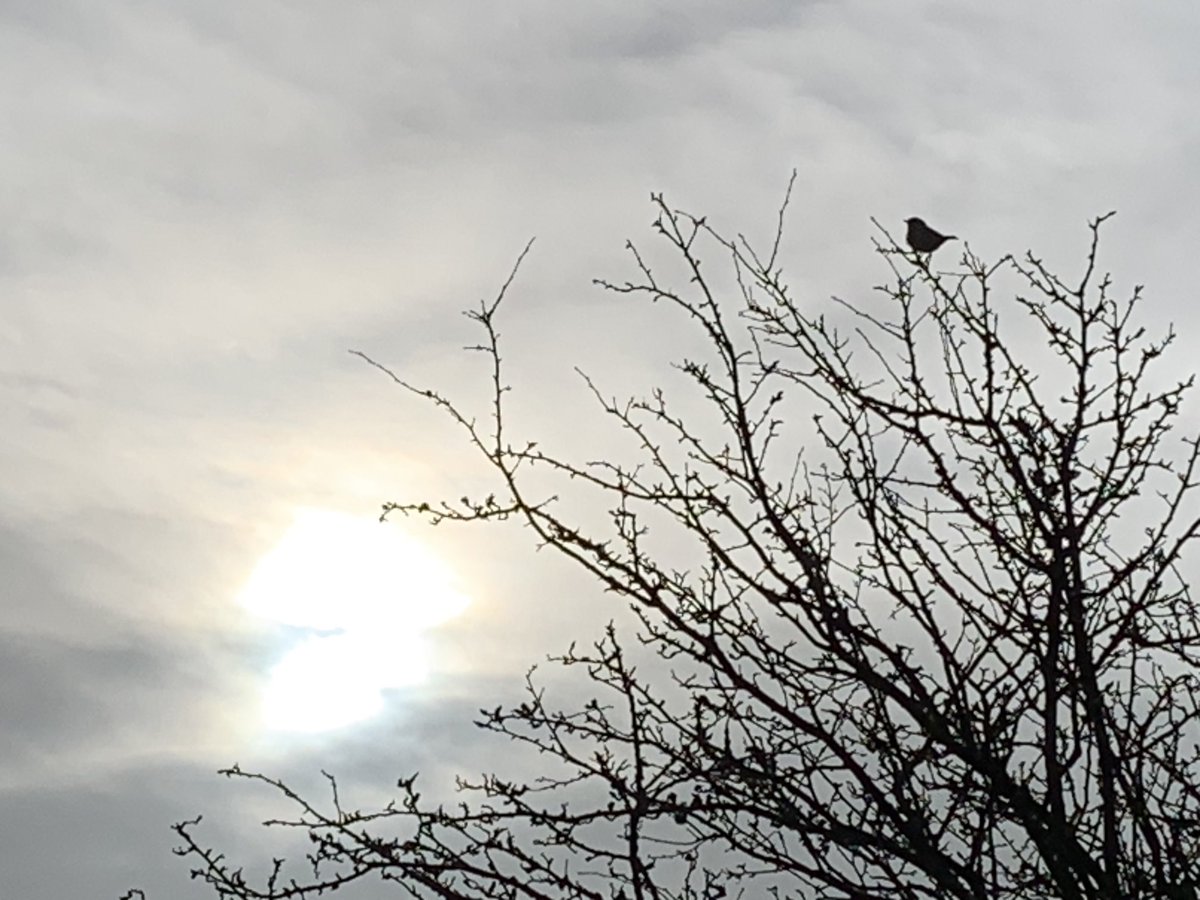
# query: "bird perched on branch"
{"points": [[922, 238]]}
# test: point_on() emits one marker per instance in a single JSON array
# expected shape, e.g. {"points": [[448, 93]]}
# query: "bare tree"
{"points": [[945, 651]]}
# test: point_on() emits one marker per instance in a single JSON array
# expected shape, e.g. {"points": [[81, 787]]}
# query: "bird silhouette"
{"points": [[922, 238]]}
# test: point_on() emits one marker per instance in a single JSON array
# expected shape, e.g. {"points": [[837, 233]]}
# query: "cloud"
{"points": [[206, 206]]}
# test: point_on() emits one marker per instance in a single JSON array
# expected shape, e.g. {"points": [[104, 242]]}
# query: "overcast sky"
{"points": [[205, 205]]}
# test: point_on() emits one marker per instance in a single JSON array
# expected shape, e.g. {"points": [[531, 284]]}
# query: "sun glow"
{"points": [[364, 592]]}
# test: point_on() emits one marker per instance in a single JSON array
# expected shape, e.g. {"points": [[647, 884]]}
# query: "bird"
{"points": [[922, 238]]}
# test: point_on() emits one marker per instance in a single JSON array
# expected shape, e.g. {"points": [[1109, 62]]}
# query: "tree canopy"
{"points": [[935, 638]]}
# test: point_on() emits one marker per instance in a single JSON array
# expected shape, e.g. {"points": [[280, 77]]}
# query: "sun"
{"points": [[363, 593]]}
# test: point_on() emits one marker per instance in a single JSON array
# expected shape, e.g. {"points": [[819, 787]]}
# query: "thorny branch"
{"points": [[935, 641]]}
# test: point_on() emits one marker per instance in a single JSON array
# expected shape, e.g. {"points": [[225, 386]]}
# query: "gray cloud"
{"points": [[206, 206]]}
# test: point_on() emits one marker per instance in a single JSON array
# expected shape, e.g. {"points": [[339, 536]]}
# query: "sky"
{"points": [[206, 205]]}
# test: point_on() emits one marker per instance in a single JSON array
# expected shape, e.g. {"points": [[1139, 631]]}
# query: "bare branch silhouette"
{"points": [[942, 650]]}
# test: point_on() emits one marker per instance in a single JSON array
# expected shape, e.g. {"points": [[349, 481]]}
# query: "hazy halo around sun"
{"points": [[365, 591]]}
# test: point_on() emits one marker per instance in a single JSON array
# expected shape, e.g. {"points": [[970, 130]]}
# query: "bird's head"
{"points": [[913, 220]]}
